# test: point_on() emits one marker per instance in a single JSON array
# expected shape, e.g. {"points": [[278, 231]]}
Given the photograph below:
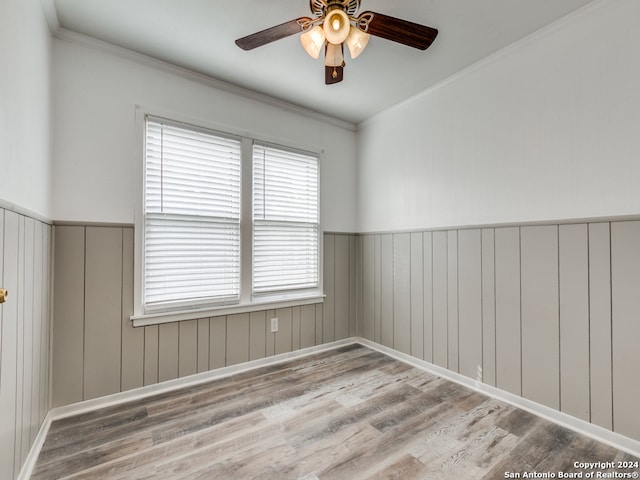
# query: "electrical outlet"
{"points": [[274, 325]]}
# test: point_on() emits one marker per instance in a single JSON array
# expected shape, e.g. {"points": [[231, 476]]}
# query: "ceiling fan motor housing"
{"points": [[319, 8]]}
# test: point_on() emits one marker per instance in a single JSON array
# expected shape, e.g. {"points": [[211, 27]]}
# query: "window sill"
{"points": [[194, 314]]}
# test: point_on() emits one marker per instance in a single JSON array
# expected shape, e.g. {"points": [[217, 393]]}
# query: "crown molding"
{"points": [[51, 14], [192, 75]]}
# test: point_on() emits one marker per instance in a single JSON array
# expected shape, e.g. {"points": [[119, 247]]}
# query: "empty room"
{"points": [[335, 239]]}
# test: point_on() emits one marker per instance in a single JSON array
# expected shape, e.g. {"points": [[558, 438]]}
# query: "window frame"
{"points": [[247, 303]]}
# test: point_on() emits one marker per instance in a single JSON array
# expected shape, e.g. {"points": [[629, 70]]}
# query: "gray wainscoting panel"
{"points": [[151, 350], [238, 338], [168, 336], [417, 295], [1, 275], [625, 308], [102, 311], [203, 345], [440, 299], [284, 335], [295, 328], [132, 369], [46, 326], [188, 348], [270, 339], [218, 342], [68, 319], [488, 307], [359, 287], [36, 345], [600, 324], [540, 319], [368, 286], [470, 303], [25, 245], [549, 312], [377, 336], [386, 290], [24, 397], [574, 327], [270, 342], [328, 321], [402, 292], [19, 339], [307, 326], [427, 269], [508, 324], [453, 337], [10, 428], [353, 315], [339, 308], [342, 286], [258, 335], [462, 293], [319, 317], [96, 351]]}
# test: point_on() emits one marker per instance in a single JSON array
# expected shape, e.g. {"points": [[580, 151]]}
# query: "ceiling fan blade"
{"points": [[333, 75], [272, 34], [397, 30]]}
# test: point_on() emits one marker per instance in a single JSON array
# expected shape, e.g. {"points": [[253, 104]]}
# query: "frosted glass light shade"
{"points": [[357, 41], [313, 41], [336, 26], [333, 57]]}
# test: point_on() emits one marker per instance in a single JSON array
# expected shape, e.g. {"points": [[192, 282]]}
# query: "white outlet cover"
{"points": [[274, 325]]}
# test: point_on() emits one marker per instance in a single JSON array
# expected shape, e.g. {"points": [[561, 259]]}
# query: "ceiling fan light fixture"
{"points": [[336, 26], [333, 57], [313, 41], [357, 41]]}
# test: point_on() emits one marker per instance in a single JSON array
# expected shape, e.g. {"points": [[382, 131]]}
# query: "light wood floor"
{"points": [[349, 413]]}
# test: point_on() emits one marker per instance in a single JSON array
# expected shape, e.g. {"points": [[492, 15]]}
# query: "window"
{"points": [[192, 217], [200, 248], [285, 221]]}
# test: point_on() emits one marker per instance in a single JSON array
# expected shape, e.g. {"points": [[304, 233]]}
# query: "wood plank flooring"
{"points": [[349, 413]]}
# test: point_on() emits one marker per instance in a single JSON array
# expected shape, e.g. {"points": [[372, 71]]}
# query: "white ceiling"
{"points": [[200, 34]]}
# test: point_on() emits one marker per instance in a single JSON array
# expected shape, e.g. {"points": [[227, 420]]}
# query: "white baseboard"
{"points": [[196, 379], [603, 435], [583, 427], [34, 451]]}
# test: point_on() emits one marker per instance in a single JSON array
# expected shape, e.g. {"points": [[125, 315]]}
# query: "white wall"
{"points": [[96, 89], [25, 52], [547, 129]]}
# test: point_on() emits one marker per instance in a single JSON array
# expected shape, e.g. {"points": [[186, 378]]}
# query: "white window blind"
{"points": [[192, 216], [285, 221]]}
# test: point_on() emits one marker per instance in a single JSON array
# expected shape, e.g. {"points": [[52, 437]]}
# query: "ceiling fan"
{"points": [[334, 23]]}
